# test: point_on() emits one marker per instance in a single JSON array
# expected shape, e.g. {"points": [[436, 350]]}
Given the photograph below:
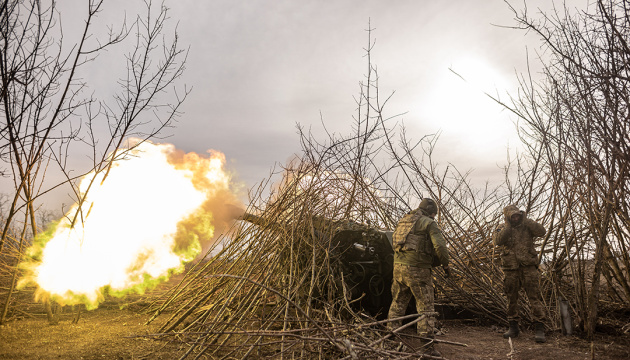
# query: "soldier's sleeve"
{"points": [[535, 228], [502, 234], [439, 244]]}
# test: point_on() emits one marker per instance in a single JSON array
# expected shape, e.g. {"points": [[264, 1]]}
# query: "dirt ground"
{"points": [[112, 333], [99, 334], [486, 342]]}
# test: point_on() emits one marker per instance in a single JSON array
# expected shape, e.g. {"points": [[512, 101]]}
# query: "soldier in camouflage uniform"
{"points": [[417, 242], [519, 260]]}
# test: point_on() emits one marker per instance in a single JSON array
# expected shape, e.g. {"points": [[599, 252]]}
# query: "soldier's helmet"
{"points": [[429, 206]]}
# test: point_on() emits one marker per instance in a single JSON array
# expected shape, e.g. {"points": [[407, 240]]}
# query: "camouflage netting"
{"points": [[285, 268], [283, 281]]}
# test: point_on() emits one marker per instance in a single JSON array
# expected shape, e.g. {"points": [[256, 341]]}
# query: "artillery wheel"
{"points": [[358, 273], [377, 285]]}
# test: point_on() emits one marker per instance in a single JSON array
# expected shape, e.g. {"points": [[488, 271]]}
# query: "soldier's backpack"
{"points": [[403, 239]]}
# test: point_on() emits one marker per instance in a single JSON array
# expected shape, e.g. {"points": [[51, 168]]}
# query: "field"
{"points": [[114, 333]]}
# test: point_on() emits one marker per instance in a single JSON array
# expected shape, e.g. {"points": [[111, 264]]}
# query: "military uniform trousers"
{"points": [[525, 277], [413, 281]]}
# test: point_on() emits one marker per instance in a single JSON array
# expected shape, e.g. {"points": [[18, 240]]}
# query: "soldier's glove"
{"points": [[447, 272]]}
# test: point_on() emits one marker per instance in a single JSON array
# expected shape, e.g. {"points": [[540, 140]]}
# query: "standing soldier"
{"points": [[519, 260], [417, 241]]}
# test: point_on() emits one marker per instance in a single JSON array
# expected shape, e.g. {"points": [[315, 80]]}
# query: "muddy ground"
{"points": [[114, 333]]}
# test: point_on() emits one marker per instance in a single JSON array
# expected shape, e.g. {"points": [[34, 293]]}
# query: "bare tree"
{"points": [[48, 114], [576, 125]]}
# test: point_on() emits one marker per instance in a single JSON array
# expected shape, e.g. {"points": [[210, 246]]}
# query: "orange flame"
{"points": [[150, 216]]}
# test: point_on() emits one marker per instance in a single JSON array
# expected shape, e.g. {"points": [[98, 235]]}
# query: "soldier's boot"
{"points": [[429, 349], [513, 331], [540, 333]]}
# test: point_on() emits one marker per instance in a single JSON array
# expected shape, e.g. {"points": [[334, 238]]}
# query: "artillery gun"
{"points": [[362, 254]]}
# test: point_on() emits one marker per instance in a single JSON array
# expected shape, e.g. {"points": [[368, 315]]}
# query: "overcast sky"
{"points": [[258, 67]]}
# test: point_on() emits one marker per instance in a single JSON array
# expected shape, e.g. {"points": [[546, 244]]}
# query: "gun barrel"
{"points": [[258, 220], [251, 218]]}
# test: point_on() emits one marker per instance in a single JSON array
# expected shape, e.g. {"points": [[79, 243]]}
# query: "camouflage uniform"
{"points": [[417, 282], [412, 272], [519, 260]]}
